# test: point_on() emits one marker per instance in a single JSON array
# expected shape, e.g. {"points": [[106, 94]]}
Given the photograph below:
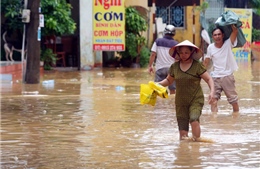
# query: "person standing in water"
{"points": [[189, 98], [160, 54], [224, 65]]}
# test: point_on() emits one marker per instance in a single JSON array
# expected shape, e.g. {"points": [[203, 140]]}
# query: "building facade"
{"points": [[185, 18]]}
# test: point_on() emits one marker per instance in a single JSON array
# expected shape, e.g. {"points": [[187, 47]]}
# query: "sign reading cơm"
{"points": [[108, 25]]}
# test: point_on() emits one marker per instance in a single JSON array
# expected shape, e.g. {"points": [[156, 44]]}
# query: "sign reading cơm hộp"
{"points": [[108, 25]]}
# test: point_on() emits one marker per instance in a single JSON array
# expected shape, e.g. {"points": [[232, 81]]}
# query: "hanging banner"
{"points": [[245, 16], [108, 25]]}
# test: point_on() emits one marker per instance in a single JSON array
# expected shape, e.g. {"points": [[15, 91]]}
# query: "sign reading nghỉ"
{"points": [[108, 25]]}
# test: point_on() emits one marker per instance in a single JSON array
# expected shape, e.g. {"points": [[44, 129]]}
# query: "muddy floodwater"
{"points": [[93, 119]]}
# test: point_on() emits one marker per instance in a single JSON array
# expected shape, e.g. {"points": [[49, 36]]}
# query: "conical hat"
{"points": [[197, 54]]}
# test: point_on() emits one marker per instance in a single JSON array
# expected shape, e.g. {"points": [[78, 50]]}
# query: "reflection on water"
{"points": [[93, 119]]}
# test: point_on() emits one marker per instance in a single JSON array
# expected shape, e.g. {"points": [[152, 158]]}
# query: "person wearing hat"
{"points": [[160, 55], [187, 72], [224, 64]]}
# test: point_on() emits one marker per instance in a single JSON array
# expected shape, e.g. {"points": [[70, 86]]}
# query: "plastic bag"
{"points": [[147, 95], [159, 89], [225, 21]]}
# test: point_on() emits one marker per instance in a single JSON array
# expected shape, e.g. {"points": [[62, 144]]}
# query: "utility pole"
{"points": [[32, 74]]}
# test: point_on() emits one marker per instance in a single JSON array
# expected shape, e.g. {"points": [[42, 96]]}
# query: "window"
{"points": [[178, 16], [175, 17]]}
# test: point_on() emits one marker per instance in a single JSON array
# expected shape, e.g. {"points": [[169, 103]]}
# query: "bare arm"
{"points": [[208, 79], [167, 81], [151, 61], [234, 33], [206, 62]]}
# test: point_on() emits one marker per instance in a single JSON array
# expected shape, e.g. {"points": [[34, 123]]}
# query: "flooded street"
{"points": [[93, 119]]}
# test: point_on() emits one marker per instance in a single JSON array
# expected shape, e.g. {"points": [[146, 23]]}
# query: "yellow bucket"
{"points": [[147, 95]]}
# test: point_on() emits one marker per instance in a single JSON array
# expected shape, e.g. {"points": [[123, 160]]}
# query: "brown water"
{"points": [[93, 119]]}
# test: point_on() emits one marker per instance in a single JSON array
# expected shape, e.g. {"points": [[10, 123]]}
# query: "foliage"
{"points": [[203, 7], [135, 20], [135, 25], [49, 58], [255, 5], [57, 17], [11, 10], [144, 56], [255, 35]]}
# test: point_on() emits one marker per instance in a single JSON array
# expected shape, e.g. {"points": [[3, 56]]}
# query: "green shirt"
{"points": [[188, 88]]}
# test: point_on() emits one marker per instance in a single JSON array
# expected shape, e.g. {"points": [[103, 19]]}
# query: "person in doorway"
{"points": [[224, 64], [160, 55], [189, 98]]}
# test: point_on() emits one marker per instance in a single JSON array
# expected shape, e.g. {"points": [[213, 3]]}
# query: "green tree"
{"points": [[57, 17], [255, 5], [135, 25], [58, 21], [203, 7], [11, 10]]}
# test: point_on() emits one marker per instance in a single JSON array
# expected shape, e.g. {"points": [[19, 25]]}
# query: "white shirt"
{"points": [[163, 58], [223, 59]]}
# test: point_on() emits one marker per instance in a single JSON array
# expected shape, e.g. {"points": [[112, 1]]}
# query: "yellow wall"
{"points": [[150, 10], [187, 33], [181, 34]]}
